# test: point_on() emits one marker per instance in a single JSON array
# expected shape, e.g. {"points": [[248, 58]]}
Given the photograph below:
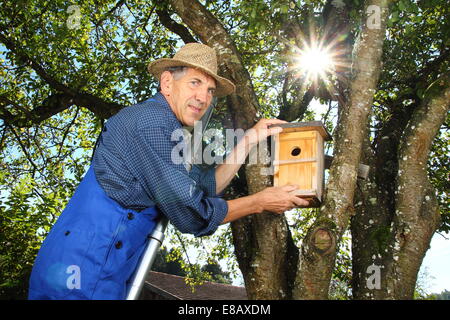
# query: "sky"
{"points": [[437, 264]]}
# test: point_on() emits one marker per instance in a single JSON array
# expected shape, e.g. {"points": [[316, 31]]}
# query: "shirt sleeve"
{"points": [[188, 200]]}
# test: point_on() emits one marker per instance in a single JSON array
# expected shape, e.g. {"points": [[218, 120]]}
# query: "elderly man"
{"points": [[94, 247]]}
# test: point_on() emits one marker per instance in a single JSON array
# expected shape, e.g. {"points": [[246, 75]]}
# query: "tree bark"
{"points": [[318, 252], [398, 212], [375, 207], [375, 226], [417, 212]]}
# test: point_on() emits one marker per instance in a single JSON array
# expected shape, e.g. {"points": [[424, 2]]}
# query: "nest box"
{"points": [[299, 158]]}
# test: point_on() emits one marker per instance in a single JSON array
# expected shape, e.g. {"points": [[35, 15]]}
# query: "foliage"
{"points": [[438, 165], [165, 262], [199, 257], [19, 243], [418, 39], [422, 286], [171, 262], [216, 273], [444, 295]]}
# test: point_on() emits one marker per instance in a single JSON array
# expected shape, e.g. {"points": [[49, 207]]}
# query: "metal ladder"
{"points": [[156, 239]]}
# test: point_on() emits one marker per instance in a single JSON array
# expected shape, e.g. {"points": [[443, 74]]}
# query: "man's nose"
{"points": [[202, 95]]}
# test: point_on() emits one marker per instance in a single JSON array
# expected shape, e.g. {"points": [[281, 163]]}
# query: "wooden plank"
{"points": [[363, 169], [305, 126], [297, 135], [320, 170], [305, 145], [291, 161], [276, 157], [300, 174], [304, 193]]}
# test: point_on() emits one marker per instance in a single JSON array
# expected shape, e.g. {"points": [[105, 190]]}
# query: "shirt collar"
{"points": [[174, 123]]}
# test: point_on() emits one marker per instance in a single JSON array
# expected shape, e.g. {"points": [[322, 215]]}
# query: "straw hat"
{"points": [[198, 56]]}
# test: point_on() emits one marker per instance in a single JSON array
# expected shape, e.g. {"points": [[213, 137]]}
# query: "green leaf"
{"points": [[284, 8]]}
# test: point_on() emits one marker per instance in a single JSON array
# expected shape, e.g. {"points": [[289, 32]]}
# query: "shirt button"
{"points": [[118, 244], [67, 233], [130, 216]]}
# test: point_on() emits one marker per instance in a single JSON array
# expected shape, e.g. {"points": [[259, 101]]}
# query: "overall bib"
{"points": [[93, 249]]}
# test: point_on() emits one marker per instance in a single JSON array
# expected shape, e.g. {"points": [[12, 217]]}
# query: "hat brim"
{"points": [[224, 86]]}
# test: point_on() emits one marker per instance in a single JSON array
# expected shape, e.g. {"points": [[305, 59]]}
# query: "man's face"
{"points": [[188, 96]]}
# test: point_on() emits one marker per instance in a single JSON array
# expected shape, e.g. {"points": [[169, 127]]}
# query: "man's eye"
{"points": [[195, 82], [212, 91]]}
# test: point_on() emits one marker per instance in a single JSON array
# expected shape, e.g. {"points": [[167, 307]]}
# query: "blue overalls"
{"points": [[93, 249]]}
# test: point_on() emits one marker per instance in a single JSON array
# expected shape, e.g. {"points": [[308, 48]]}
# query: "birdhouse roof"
{"points": [[305, 126]]}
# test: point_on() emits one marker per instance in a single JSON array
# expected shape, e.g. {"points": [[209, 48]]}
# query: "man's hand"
{"points": [[273, 199], [260, 131], [279, 199]]}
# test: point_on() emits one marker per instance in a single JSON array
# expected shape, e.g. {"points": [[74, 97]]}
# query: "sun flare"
{"points": [[314, 62]]}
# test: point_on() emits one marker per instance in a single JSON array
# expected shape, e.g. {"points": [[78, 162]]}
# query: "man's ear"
{"points": [[166, 82]]}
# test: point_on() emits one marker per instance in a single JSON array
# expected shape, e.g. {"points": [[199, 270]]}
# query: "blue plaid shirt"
{"points": [[133, 165]]}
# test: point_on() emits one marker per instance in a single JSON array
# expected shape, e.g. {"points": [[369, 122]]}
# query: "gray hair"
{"points": [[177, 73]]}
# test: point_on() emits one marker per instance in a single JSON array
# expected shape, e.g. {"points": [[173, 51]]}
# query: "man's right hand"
{"points": [[279, 199]]}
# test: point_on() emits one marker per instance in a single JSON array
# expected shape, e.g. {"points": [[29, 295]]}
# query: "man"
{"points": [[94, 247]]}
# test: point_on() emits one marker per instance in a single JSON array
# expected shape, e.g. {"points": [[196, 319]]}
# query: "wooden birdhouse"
{"points": [[298, 158]]}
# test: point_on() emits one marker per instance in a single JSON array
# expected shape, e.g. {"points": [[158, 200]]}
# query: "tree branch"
{"points": [[100, 107], [422, 75], [66, 132], [180, 30], [417, 214], [106, 15], [317, 262], [24, 150]]}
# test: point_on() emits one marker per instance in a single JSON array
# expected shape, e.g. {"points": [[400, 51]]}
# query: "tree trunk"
{"points": [[398, 211], [375, 207], [318, 251], [417, 212]]}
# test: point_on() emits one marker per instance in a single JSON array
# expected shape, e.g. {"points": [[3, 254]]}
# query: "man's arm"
{"points": [[273, 199], [226, 171]]}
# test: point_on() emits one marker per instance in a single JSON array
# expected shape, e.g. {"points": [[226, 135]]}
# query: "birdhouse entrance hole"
{"points": [[296, 151]]}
